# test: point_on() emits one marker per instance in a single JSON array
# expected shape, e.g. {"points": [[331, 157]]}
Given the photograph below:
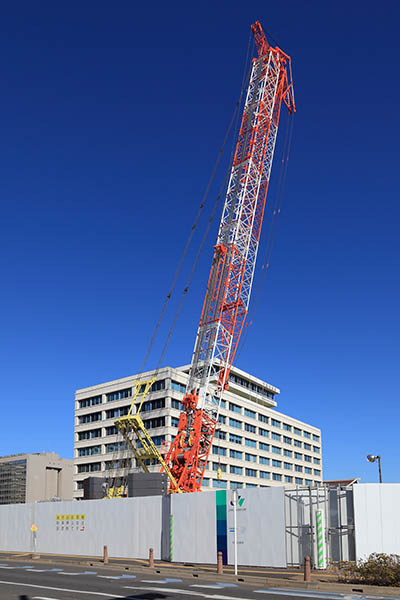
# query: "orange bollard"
{"points": [[220, 568], [105, 555], [307, 568], [151, 557]]}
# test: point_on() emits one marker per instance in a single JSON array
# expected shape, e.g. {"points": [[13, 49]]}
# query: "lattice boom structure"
{"points": [[229, 286]]}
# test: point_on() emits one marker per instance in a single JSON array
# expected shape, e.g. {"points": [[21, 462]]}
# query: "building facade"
{"points": [[254, 446], [35, 477]]}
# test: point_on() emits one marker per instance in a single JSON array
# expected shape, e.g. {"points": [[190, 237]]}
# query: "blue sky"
{"points": [[112, 118]]}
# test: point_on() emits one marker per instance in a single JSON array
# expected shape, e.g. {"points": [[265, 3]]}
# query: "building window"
{"points": [[287, 440], [251, 473], [220, 435], [265, 475], [317, 472], [286, 427], [235, 408], [297, 443], [158, 439], [276, 436], [236, 454], [117, 412], [297, 431], [316, 461], [307, 458], [276, 463], [235, 469], [308, 470], [119, 395], [250, 443], [221, 419], [298, 468], [307, 435], [205, 482], [263, 446], [176, 404], [250, 457], [219, 450], [112, 430], [251, 485], [216, 466], [263, 418], [263, 460], [234, 485], [89, 435], [287, 452], [222, 404], [116, 446], [90, 401], [276, 450], [219, 483], [287, 466], [298, 456], [308, 482], [178, 387], [249, 428], [89, 451], [307, 446], [263, 432], [91, 418], [249, 413], [90, 468], [235, 439], [235, 423], [276, 477], [298, 481], [315, 437], [316, 449], [276, 423], [174, 421], [154, 423], [288, 479], [151, 404]]}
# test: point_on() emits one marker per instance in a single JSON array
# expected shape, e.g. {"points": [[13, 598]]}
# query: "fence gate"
{"points": [[320, 524]]}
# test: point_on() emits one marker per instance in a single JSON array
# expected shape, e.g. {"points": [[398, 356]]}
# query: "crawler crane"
{"points": [[230, 281]]}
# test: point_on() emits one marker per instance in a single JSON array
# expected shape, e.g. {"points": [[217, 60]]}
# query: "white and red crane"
{"points": [[230, 281]]}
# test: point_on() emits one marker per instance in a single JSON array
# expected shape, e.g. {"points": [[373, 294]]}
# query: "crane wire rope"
{"points": [[198, 215], [272, 231], [235, 120], [210, 221]]}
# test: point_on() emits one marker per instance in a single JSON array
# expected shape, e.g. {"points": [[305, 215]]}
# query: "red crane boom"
{"points": [[229, 285]]}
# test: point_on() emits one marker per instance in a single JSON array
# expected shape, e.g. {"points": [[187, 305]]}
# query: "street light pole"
{"points": [[372, 458], [380, 470]]}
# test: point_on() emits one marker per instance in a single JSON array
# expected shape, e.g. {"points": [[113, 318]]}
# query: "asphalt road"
{"points": [[20, 581]]}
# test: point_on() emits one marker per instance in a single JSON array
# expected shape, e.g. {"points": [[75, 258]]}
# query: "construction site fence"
{"points": [[276, 526]]}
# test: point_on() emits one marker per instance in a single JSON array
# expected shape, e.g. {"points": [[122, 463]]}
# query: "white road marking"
{"points": [[43, 598], [117, 576], [186, 592], [55, 589], [305, 594], [167, 580], [7, 567]]}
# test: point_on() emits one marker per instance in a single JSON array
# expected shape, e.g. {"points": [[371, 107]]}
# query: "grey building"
{"points": [[255, 445], [35, 477]]}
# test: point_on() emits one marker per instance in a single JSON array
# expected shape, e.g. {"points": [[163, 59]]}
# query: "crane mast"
{"points": [[231, 276]]}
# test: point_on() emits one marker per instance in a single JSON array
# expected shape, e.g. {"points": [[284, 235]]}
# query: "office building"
{"points": [[255, 445], [35, 477]]}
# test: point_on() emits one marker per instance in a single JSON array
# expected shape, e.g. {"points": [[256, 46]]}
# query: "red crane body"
{"points": [[229, 285]]}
